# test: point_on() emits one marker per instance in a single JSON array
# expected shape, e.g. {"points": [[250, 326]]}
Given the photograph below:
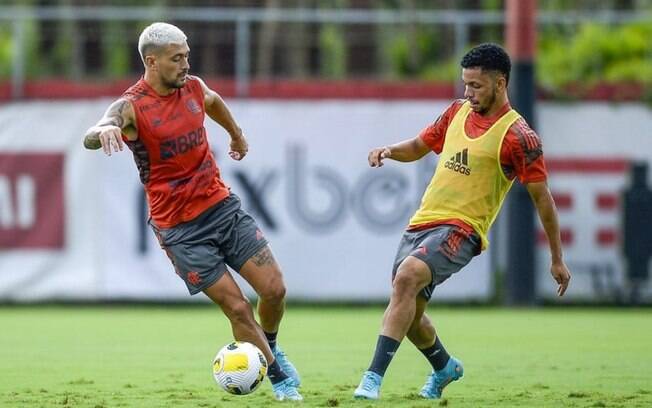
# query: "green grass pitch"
{"points": [[107, 356]]}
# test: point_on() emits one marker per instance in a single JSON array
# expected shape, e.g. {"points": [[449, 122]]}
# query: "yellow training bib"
{"points": [[468, 183]]}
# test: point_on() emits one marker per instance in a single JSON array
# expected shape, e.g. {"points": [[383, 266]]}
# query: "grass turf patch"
{"points": [[161, 356]]}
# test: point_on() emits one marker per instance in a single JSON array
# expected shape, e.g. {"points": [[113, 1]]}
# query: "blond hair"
{"points": [[158, 35]]}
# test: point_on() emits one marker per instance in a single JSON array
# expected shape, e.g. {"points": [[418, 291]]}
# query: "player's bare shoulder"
{"points": [[210, 96], [201, 82]]}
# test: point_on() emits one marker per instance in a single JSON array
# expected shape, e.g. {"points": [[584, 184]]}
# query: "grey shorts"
{"points": [[201, 249], [445, 249]]}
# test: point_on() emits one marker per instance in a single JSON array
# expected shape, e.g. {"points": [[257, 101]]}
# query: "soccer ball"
{"points": [[239, 368]]}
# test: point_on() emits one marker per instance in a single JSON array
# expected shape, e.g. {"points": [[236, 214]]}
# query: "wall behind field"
{"points": [[587, 145], [72, 221]]}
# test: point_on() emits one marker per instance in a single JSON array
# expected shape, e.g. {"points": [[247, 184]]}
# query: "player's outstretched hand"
{"points": [[377, 155], [562, 276], [111, 139], [239, 147]]}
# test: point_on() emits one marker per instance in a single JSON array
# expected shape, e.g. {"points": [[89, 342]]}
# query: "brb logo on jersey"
{"points": [[181, 144], [459, 163]]}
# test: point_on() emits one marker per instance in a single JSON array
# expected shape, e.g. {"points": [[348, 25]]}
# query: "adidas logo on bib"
{"points": [[459, 163]]}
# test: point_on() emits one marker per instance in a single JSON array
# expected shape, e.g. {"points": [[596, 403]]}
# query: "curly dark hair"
{"points": [[488, 57]]}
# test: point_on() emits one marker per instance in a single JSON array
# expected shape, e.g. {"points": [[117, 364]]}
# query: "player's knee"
{"points": [[274, 291], [239, 312], [411, 277], [277, 293], [405, 284]]}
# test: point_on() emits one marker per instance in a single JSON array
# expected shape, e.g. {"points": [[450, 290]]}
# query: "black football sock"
{"points": [[385, 350], [276, 373], [436, 354], [271, 339]]}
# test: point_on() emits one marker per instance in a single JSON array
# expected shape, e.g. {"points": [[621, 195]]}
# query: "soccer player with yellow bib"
{"points": [[483, 146]]}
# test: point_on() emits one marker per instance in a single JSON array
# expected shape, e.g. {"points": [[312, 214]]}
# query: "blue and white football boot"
{"points": [[369, 387], [287, 367], [286, 391], [437, 380]]}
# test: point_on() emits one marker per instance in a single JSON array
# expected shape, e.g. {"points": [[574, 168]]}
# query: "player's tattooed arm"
{"points": [[107, 133], [263, 257]]}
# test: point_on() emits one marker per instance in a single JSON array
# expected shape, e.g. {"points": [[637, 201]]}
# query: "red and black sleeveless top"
{"points": [[175, 163]]}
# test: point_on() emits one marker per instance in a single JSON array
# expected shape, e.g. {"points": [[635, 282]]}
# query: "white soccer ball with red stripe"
{"points": [[239, 368]]}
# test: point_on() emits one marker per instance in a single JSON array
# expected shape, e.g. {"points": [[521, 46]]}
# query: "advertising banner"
{"points": [[333, 222], [73, 221]]}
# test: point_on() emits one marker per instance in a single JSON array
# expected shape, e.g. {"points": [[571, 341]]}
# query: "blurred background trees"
{"points": [[571, 57]]}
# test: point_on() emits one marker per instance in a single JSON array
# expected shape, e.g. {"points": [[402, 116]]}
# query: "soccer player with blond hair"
{"points": [[197, 219]]}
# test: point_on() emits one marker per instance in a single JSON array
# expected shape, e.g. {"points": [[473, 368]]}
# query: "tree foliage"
{"points": [[578, 56], [597, 53]]}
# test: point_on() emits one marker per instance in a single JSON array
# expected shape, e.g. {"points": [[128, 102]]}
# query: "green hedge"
{"points": [[597, 53], [589, 54]]}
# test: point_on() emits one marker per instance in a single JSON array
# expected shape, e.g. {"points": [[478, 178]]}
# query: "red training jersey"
{"points": [[521, 154], [175, 163]]}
